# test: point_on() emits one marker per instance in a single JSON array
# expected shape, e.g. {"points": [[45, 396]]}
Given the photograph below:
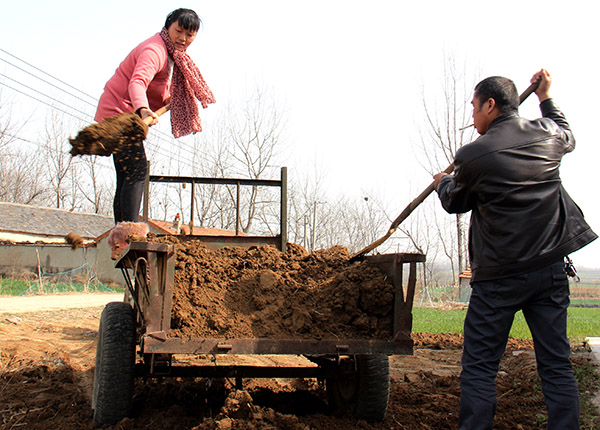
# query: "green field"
{"points": [[14, 287], [585, 303], [582, 322]]}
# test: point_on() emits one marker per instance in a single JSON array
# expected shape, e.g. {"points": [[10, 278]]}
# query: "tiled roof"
{"points": [[16, 218], [37, 220]]}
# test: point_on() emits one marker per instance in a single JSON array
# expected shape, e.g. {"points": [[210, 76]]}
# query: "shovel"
{"points": [[109, 136], [421, 197]]}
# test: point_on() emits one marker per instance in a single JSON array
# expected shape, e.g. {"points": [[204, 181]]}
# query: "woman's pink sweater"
{"points": [[143, 79]]}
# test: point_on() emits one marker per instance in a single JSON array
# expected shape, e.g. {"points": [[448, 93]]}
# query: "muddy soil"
{"points": [[46, 369], [47, 357], [261, 292]]}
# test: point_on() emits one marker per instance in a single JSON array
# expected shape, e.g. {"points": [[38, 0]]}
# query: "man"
{"points": [[523, 225]]}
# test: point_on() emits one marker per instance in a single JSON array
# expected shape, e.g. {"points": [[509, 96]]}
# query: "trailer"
{"points": [[134, 342], [134, 339]]}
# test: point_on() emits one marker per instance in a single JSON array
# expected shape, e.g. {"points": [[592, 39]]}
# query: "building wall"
{"points": [[16, 259]]}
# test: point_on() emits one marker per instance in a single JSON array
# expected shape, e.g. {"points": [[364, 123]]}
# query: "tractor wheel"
{"points": [[342, 387], [115, 364], [374, 387], [360, 385]]}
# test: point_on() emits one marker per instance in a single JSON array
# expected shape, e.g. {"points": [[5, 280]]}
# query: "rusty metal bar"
{"points": [[237, 209], [145, 280], [193, 193], [152, 345], [132, 294], [145, 210], [283, 214], [142, 370], [215, 181], [412, 281], [167, 274], [154, 317], [399, 300]]}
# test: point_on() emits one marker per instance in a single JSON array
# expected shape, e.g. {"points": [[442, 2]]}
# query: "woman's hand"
{"points": [[152, 118]]}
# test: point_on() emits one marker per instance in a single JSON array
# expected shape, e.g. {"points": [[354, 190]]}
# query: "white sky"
{"points": [[349, 72]]}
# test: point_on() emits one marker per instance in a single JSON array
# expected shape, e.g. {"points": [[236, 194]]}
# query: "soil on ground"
{"points": [[47, 358]]}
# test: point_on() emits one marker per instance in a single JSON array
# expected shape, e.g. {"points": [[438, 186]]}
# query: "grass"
{"points": [[581, 322], [584, 303], [14, 287]]}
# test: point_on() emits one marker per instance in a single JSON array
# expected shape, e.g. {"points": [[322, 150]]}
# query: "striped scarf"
{"points": [[187, 86]]}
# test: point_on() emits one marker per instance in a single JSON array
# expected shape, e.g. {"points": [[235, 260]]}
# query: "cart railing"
{"points": [[280, 241]]}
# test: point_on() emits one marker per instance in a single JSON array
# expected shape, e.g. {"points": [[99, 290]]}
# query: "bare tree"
{"points": [[350, 221], [58, 162], [215, 204], [444, 133], [308, 214], [6, 126], [256, 134], [90, 184], [21, 177]]}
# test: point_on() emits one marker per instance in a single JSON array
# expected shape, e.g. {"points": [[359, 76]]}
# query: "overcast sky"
{"points": [[348, 72]]}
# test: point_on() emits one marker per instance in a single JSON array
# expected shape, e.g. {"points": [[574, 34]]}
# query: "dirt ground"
{"points": [[47, 357], [46, 369]]}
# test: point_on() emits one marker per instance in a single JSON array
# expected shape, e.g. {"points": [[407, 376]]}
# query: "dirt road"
{"points": [[44, 302], [47, 358]]}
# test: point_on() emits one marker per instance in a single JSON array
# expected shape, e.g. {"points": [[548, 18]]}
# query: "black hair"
{"points": [[186, 18], [502, 90]]}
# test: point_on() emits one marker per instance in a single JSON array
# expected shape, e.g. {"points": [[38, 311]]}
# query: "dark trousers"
{"points": [[543, 296], [132, 168]]}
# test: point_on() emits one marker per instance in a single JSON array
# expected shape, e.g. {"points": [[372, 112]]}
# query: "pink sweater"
{"points": [[143, 79]]}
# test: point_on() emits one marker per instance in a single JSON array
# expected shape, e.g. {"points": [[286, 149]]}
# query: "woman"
{"points": [[156, 72]]}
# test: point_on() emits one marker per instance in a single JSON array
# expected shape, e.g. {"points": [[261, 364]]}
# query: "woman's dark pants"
{"points": [[132, 168], [543, 296]]}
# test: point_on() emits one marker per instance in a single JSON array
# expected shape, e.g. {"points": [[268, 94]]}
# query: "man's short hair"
{"points": [[502, 90]]}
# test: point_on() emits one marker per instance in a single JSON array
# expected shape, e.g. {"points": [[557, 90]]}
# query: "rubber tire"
{"points": [[373, 387], [342, 388], [361, 386], [115, 364]]}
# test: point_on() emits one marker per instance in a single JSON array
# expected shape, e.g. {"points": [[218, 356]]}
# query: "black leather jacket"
{"points": [[522, 218]]}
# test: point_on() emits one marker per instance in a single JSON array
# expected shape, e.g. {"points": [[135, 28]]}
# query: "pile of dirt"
{"points": [[261, 292]]}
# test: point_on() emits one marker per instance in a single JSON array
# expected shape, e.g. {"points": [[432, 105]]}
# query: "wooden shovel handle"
{"points": [[530, 89], [159, 112]]}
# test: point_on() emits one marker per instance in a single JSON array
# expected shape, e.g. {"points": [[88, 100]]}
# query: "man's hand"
{"points": [[437, 178], [545, 80]]}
